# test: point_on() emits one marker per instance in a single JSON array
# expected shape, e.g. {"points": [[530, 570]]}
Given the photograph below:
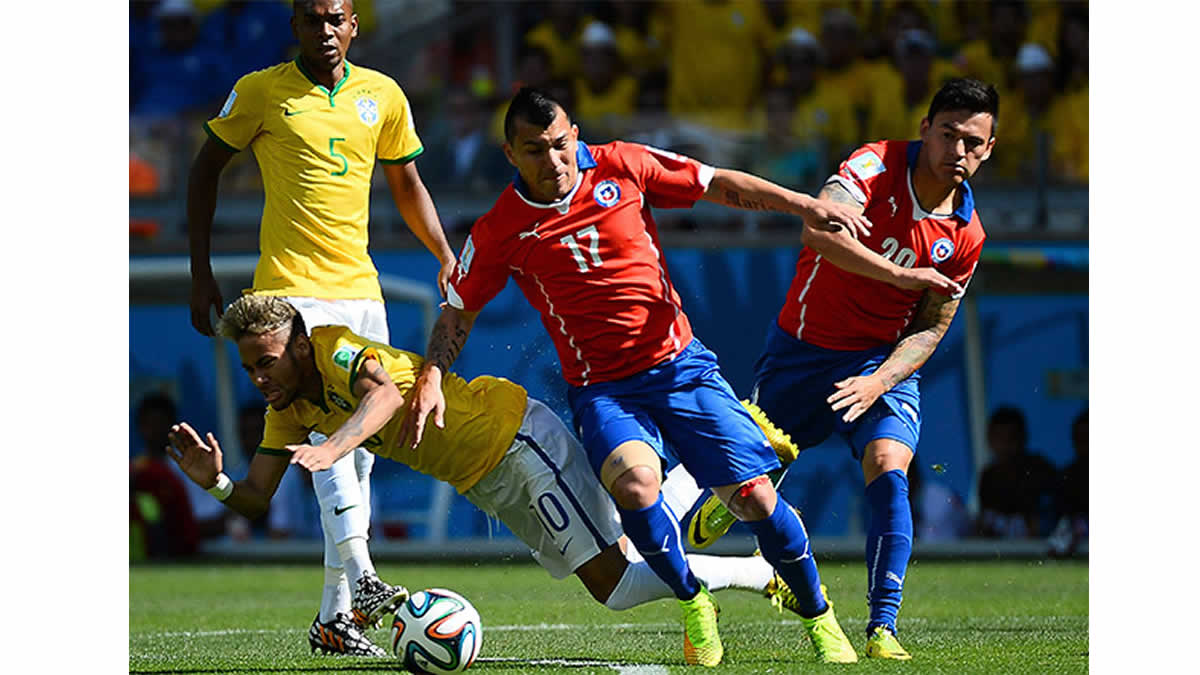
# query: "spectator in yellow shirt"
{"points": [[558, 34], [716, 58], [990, 58], [1041, 127], [822, 120], [899, 105], [605, 95]]}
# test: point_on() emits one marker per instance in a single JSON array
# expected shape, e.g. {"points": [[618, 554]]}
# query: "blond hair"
{"points": [[256, 315]]}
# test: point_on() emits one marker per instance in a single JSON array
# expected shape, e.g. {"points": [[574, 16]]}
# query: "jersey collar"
{"points": [[583, 157], [964, 210], [305, 71]]}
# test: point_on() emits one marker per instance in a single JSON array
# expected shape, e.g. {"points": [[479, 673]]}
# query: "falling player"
{"points": [[507, 453]]}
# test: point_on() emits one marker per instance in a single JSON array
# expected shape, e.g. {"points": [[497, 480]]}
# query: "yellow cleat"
{"points": [[883, 645], [785, 449], [828, 640], [701, 641]]}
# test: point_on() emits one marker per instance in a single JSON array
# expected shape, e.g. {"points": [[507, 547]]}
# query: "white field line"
{"points": [[622, 668]]}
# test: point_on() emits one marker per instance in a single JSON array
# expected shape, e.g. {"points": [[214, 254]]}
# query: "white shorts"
{"points": [[544, 490], [367, 318]]}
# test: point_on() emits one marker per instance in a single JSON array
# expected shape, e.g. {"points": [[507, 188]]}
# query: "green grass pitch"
{"points": [[958, 617]]}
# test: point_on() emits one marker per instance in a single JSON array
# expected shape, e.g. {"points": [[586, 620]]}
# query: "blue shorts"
{"points": [[684, 405], [793, 379]]}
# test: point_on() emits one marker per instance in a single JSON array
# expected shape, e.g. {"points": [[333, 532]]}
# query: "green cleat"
{"points": [[709, 523], [701, 642], [713, 519], [828, 640], [882, 644]]}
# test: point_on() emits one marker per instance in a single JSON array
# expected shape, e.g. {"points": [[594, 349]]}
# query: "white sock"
{"points": [[356, 558], [335, 595], [747, 573], [638, 585]]}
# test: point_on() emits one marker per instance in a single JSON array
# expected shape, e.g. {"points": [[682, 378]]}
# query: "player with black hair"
{"points": [[576, 233], [864, 313]]}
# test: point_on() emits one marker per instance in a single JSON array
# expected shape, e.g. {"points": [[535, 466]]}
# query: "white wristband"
{"points": [[223, 488]]}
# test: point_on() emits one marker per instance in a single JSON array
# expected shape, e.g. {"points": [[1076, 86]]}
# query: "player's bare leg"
{"points": [[889, 541]]}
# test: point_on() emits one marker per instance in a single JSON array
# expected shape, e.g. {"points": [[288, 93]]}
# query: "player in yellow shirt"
{"points": [[317, 126], [508, 454]]}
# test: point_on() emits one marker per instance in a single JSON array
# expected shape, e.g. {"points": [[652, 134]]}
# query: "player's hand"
{"points": [[201, 462], [920, 278], [831, 216], [426, 398], [205, 293], [855, 395], [313, 457], [444, 275]]}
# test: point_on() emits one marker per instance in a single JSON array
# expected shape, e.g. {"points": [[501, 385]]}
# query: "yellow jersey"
{"points": [[316, 149], [482, 416], [715, 53]]}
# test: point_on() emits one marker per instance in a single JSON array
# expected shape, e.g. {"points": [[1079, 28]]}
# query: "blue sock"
{"points": [[784, 543], [889, 546], [654, 532]]}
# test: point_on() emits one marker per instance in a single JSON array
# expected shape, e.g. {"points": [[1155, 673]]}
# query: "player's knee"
{"points": [[632, 474], [636, 488], [884, 455], [752, 500]]}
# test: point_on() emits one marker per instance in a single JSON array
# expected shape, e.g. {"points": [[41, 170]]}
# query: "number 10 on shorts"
{"points": [[553, 517]]}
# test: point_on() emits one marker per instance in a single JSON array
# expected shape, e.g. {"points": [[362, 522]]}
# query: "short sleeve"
{"points": [[282, 429], [241, 117], [398, 141], [669, 181], [860, 173], [478, 276], [400, 366]]}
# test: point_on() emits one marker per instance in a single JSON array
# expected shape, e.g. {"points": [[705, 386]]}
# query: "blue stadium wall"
{"points": [[730, 296]]}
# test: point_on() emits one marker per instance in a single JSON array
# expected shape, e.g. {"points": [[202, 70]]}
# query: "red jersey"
{"points": [[591, 262], [835, 309]]}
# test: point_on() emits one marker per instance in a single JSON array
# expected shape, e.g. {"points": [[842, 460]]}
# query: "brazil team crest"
{"points": [[607, 193], [941, 250], [368, 110]]}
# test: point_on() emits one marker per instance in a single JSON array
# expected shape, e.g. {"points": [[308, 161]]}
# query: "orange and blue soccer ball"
{"points": [[436, 631]]}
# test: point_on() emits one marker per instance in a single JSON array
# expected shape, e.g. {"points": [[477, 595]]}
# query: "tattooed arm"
{"points": [[445, 343], [934, 314], [842, 248], [379, 399], [746, 191]]}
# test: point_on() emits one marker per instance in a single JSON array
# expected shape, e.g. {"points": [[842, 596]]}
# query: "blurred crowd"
{"points": [[1022, 494], [784, 88]]}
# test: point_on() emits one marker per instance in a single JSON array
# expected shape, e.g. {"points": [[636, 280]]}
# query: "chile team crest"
{"points": [[368, 111], [607, 193], [941, 250]]}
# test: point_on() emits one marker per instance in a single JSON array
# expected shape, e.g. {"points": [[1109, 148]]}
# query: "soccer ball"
{"points": [[436, 631]]}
